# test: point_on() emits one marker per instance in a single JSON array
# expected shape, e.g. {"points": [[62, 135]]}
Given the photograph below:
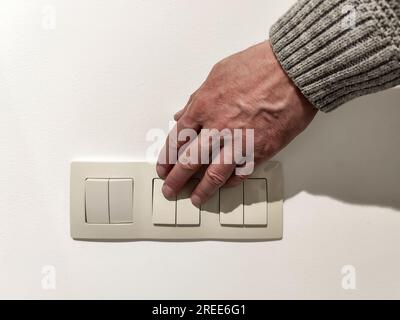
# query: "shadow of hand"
{"points": [[351, 154]]}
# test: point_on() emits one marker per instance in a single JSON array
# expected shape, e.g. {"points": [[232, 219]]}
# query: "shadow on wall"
{"points": [[351, 154]]}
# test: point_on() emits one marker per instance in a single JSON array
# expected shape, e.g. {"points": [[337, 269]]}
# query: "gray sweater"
{"points": [[337, 50]]}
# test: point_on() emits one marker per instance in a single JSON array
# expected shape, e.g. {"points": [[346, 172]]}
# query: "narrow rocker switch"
{"points": [[96, 200], [186, 213], [255, 202], [164, 211], [231, 206], [121, 201]]}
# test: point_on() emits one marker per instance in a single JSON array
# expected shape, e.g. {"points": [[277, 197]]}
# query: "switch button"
{"points": [[164, 211], [255, 202], [186, 213], [96, 199], [231, 206], [121, 200]]}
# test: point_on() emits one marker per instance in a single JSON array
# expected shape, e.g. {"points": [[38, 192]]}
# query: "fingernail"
{"points": [[168, 192], [196, 200]]}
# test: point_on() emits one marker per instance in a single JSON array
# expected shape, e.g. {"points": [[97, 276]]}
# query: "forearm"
{"points": [[333, 60]]}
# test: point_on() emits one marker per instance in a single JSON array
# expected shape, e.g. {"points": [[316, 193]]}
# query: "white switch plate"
{"points": [[142, 227]]}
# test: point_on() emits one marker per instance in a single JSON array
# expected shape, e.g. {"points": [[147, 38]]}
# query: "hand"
{"points": [[246, 90]]}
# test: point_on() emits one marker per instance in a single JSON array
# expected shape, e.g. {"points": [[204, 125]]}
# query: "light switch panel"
{"points": [[102, 209]]}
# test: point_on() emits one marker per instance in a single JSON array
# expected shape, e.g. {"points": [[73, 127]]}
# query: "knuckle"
{"points": [[215, 67], [215, 178], [198, 110], [201, 102], [192, 96], [218, 65]]}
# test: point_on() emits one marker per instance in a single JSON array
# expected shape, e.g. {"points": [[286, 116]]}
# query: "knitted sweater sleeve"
{"points": [[337, 50]]}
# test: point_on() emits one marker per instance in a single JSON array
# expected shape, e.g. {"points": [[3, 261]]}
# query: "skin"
{"points": [[246, 90]]}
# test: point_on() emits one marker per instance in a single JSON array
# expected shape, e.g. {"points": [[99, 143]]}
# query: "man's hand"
{"points": [[248, 90]]}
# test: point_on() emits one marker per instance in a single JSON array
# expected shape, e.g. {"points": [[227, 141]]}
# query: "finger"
{"points": [[245, 164], [214, 178], [190, 161], [181, 112], [235, 180], [187, 165], [168, 155]]}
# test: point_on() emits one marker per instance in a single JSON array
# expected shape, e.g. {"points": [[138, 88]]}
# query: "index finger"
{"points": [[187, 165], [169, 153]]}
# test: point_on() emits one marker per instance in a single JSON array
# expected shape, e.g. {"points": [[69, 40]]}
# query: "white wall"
{"points": [[90, 90]]}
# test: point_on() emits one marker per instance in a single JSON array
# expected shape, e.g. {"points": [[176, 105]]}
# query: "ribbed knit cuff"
{"points": [[337, 50]]}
